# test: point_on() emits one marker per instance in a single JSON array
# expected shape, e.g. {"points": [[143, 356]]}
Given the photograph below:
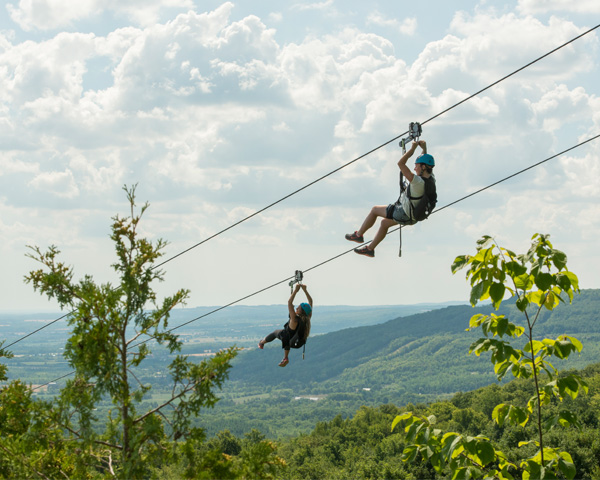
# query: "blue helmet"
{"points": [[426, 159], [306, 308]]}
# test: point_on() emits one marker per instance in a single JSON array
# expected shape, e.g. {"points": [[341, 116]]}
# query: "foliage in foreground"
{"points": [[112, 330], [364, 446], [538, 280]]}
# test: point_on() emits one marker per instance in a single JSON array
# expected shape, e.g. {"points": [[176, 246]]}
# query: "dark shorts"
{"points": [[394, 211], [389, 211], [285, 335]]}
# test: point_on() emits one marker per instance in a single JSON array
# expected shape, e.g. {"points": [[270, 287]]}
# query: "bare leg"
{"points": [[386, 223], [285, 360], [376, 211]]}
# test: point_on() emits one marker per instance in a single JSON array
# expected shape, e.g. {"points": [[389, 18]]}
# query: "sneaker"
{"points": [[284, 362], [354, 237], [365, 251], [261, 345]]}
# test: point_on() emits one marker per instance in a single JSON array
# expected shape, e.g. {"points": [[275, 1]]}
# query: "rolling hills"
{"points": [[417, 358]]}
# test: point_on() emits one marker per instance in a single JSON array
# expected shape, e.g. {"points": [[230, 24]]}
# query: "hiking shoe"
{"points": [[354, 237], [365, 251]]}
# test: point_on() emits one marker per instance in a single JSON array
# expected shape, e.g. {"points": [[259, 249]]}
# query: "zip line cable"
{"points": [[352, 249], [511, 74], [339, 168], [503, 180], [396, 229], [379, 147], [37, 330]]}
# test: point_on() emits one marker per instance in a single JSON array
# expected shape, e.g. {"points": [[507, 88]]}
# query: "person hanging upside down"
{"points": [[295, 332], [401, 212]]}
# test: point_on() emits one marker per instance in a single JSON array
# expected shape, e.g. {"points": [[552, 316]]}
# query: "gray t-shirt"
{"points": [[417, 189]]}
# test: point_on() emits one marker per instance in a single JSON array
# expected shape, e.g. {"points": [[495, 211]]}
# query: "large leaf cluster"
{"points": [[538, 280]]}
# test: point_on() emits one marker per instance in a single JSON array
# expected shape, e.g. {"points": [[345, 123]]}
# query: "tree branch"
{"points": [[189, 387]]}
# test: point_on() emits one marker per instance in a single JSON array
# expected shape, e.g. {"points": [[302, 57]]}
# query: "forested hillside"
{"points": [[424, 352], [356, 386], [419, 358], [365, 447]]}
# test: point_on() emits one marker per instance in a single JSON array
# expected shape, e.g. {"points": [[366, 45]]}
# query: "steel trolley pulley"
{"points": [[297, 279]]}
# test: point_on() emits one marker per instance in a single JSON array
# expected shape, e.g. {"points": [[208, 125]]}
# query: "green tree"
{"points": [[3, 354], [32, 444], [112, 327], [538, 280]]}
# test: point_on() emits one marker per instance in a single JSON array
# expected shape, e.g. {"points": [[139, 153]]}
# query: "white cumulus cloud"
{"points": [[407, 26]]}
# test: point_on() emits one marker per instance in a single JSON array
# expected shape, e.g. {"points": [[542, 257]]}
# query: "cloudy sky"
{"points": [[217, 109]]}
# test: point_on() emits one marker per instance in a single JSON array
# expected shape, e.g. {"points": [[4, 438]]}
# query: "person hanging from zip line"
{"points": [[297, 329], [414, 204]]}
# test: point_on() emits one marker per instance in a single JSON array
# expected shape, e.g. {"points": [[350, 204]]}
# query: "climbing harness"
{"points": [[414, 132]]}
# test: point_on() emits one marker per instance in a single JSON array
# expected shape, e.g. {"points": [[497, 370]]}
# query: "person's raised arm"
{"points": [[291, 302], [308, 297], [405, 169], [408, 174]]}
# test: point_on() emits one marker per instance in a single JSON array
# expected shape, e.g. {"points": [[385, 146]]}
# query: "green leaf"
{"points": [[476, 320], [511, 414], [437, 461], [502, 325], [410, 453], [522, 303], [460, 262], [538, 297], [551, 301], [526, 443], [532, 470], [563, 282], [483, 241], [479, 346], [461, 473], [566, 465], [485, 452], [566, 418], [497, 294], [537, 346], [563, 348], [476, 293], [450, 441], [500, 413], [486, 290], [402, 418], [574, 280], [524, 281], [559, 259], [544, 281], [576, 343], [514, 269], [570, 385]]}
